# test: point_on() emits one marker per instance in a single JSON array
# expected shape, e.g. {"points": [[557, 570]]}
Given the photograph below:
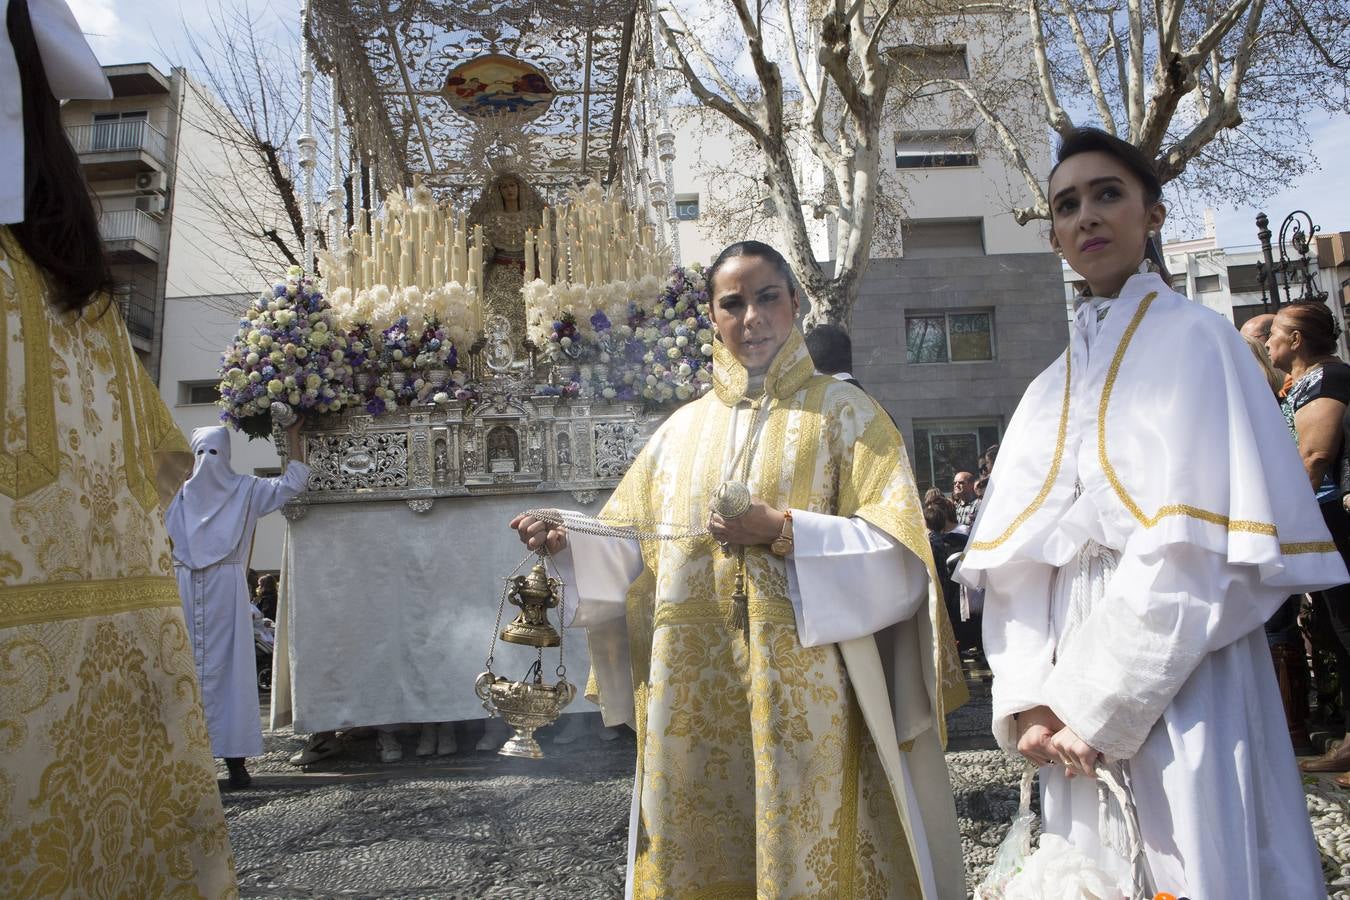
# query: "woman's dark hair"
{"points": [[1315, 322], [59, 231], [935, 517], [1094, 140], [753, 248]]}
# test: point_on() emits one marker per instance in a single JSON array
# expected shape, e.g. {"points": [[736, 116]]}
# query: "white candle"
{"points": [[529, 256]]}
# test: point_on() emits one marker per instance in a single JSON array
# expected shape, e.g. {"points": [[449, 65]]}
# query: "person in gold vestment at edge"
{"points": [[759, 601], [107, 786], [1146, 516]]}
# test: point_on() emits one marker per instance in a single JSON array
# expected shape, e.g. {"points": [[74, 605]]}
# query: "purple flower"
{"points": [[600, 321], [375, 407], [279, 290]]}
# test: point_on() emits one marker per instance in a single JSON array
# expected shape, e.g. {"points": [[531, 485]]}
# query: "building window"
{"points": [[119, 130], [1179, 284], [198, 393], [1244, 279], [1206, 284], [686, 207], [939, 337], [943, 447], [935, 150], [940, 238], [918, 61]]}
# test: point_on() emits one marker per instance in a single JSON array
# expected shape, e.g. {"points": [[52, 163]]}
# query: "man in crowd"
{"points": [[831, 351], [963, 494], [1258, 327]]}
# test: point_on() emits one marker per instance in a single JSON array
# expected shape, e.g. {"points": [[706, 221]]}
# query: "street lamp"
{"points": [[1287, 271]]}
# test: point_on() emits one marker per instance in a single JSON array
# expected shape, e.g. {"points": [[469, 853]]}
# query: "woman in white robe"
{"points": [[1147, 514], [211, 522]]}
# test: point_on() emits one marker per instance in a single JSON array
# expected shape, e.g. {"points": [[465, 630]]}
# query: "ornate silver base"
{"points": [[522, 744]]}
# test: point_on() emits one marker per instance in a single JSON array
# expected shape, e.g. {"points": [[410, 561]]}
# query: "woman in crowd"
{"points": [[107, 788], [1302, 343], [1148, 514]]}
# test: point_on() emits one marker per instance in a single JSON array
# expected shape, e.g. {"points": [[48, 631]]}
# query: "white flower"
{"points": [[706, 349], [1058, 869]]}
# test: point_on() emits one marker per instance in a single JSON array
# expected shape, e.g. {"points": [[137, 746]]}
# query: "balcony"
{"points": [[131, 236], [119, 149], [138, 312]]}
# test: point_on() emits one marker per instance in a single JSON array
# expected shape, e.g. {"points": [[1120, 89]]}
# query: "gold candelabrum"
{"points": [[528, 704]]}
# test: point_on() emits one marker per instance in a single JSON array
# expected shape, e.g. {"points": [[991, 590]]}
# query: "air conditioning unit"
{"points": [[152, 181]]}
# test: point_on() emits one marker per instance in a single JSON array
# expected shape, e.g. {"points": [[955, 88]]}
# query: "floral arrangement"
{"points": [[659, 352], [289, 349], [637, 340]]}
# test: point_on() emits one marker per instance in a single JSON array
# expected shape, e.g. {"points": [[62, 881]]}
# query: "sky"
{"points": [[123, 31]]}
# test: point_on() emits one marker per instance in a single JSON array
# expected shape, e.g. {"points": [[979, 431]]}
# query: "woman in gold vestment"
{"points": [[789, 735], [107, 787]]}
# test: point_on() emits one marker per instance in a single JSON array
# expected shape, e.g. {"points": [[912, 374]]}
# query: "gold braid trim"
{"points": [[39, 463], [1050, 476], [57, 601], [1242, 526]]}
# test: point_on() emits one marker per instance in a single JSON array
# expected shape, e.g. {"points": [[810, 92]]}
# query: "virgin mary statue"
{"points": [[505, 209]]}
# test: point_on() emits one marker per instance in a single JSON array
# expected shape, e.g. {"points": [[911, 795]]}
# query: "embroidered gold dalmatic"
{"points": [[107, 787], [757, 776]]}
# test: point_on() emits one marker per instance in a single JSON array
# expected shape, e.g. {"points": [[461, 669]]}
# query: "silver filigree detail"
{"points": [[616, 446], [421, 504]]}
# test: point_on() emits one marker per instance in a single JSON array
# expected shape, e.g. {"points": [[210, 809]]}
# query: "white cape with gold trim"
{"points": [[1189, 473]]}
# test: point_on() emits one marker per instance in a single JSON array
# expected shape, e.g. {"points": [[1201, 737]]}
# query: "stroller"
{"points": [[264, 643]]}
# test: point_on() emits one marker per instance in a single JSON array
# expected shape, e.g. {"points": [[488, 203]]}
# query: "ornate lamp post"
{"points": [[1288, 271]]}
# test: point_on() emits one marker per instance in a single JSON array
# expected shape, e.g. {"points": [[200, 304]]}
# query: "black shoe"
{"points": [[239, 777]]}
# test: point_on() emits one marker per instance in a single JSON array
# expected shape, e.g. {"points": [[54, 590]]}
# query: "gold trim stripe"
{"points": [[1050, 477], [58, 601], [846, 851], [38, 464], [704, 612], [1243, 526]]}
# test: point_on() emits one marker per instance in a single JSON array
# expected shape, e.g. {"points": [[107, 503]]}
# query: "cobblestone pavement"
{"points": [[478, 825]]}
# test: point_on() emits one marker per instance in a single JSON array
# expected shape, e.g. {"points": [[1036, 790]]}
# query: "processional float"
{"points": [[500, 306]]}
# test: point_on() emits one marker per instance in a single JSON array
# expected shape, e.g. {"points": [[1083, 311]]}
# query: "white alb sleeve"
{"points": [[848, 579]]}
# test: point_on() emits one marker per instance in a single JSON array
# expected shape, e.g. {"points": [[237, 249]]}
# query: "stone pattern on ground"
{"points": [[478, 825]]}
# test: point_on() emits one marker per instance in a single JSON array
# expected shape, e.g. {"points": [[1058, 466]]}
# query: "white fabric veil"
{"points": [[207, 517], [73, 73]]}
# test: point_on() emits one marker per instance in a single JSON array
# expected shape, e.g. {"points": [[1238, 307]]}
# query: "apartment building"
{"points": [[128, 147]]}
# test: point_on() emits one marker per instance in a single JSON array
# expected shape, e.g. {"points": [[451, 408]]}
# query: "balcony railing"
{"points": [[130, 225], [138, 312], [112, 137]]}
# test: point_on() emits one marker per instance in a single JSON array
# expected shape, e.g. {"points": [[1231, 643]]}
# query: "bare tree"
{"points": [[827, 112], [1217, 91], [245, 85]]}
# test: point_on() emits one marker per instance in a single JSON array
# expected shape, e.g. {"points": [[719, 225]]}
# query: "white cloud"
{"points": [[100, 23]]}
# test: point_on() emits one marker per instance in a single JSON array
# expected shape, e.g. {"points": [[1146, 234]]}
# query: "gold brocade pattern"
{"points": [[107, 788], [757, 777], [1173, 509]]}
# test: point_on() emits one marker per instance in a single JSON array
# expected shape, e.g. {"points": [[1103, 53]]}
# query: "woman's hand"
{"points": [[1076, 754], [1035, 728], [761, 524], [535, 533]]}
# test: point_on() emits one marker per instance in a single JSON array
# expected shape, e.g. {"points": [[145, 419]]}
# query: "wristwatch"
{"points": [[782, 545]]}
